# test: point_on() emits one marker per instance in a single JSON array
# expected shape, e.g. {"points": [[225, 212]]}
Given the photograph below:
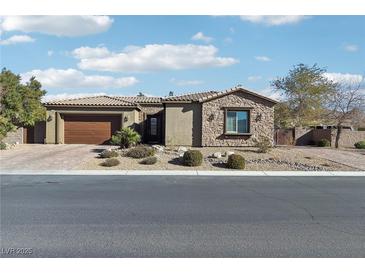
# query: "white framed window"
{"points": [[237, 121]]}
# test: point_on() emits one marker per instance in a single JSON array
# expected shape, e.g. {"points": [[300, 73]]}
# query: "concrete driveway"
{"points": [[47, 157]]}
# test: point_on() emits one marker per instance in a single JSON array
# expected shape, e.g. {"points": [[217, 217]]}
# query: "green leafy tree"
{"points": [[20, 104], [125, 138], [306, 89], [282, 115]]}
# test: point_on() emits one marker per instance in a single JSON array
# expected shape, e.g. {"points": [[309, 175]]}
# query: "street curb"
{"points": [[183, 173]]}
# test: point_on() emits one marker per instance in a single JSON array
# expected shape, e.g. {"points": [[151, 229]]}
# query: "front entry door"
{"points": [[153, 134]]}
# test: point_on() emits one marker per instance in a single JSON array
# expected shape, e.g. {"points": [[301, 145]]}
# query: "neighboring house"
{"points": [[234, 117]]}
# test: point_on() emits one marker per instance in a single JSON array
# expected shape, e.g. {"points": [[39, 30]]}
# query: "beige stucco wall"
{"points": [[261, 120], [50, 127], [183, 124]]}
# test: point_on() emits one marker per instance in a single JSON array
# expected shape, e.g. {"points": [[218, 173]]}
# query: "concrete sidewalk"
{"points": [[183, 173]]}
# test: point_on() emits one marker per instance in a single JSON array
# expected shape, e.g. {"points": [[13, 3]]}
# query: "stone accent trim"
{"points": [[213, 124]]}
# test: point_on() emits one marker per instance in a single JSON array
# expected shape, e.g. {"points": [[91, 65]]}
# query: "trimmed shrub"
{"points": [[323, 143], [360, 145], [125, 138], [140, 152], [149, 160], [109, 153], [2, 146], [111, 162], [193, 158], [264, 145], [236, 161]]}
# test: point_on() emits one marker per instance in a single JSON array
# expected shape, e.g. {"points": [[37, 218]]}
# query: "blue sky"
{"points": [[125, 55]]}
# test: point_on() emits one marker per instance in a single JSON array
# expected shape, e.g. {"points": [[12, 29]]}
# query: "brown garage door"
{"points": [[90, 129]]}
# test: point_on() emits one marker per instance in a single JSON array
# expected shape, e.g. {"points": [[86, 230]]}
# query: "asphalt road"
{"points": [[182, 216]]}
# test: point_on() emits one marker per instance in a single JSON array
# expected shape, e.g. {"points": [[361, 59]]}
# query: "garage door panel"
{"points": [[90, 129]]}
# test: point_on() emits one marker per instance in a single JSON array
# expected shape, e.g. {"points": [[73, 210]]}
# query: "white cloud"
{"points": [[57, 25], [63, 96], [186, 82], [201, 37], [50, 52], [151, 58], [344, 78], [72, 78], [16, 39], [263, 58], [351, 48], [269, 92], [274, 20], [87, 52], [254, 78]]}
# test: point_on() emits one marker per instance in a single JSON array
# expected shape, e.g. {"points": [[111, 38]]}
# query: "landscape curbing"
{"points": [[183, 173]]}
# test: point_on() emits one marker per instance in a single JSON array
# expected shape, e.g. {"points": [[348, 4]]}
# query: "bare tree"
{"points": [[346, 103]]}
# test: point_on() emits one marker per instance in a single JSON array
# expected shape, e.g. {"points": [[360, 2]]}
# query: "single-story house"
{"points": [[234, 117]]}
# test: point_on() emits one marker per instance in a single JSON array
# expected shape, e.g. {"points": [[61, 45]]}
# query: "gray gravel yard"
{"points": [[85, 157], [279, 159]]}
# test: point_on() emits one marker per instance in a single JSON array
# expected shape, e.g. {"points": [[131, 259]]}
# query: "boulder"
{"points": [[182, 149], [217, 155], [227, 153], [158, 148]]}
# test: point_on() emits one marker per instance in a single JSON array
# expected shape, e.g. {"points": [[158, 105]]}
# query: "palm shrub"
{"points": [[125, 138], [360, 145], [193, 158], [235, 161]]}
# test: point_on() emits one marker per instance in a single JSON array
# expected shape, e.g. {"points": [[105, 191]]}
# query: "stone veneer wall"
{"points": [[261, 120], [14, 137], [348, 137]]}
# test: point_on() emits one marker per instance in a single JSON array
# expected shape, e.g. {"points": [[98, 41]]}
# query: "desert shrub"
{"points": [[125, 138], [109, 153], [111, 162], [193, 158], [2, 146], [235, 161], [360, 145], [264, 144], [323, 143], [140, 152], [149, 160]]}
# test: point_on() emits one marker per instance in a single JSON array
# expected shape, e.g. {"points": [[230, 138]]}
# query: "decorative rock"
{"points": [[182, 149], [217, 155], [228, 153], [158, 148]]}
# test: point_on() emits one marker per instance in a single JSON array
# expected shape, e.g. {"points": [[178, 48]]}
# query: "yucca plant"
{"points": [[125, 138]]}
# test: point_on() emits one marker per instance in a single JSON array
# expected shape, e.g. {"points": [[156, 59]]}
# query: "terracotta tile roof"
{"points": [[136, 100], [141, 99], [209, 95], [92, 101], [195, 97]]}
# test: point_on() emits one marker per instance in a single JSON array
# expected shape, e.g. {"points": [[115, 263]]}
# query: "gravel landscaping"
{"points": [[279, 158]]}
